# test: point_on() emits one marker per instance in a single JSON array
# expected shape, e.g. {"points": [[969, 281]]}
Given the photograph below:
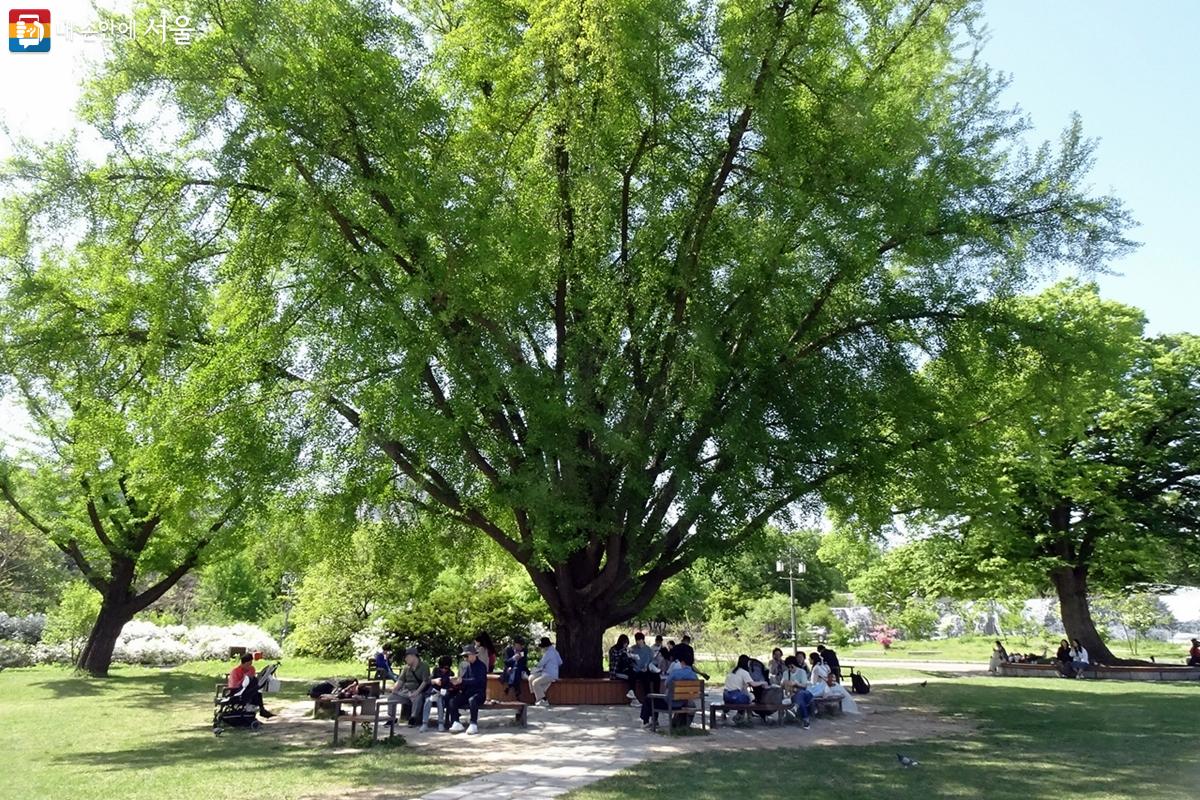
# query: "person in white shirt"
{"points": [[545, 673], [823, 684], [1079, 658], [738, 683]]}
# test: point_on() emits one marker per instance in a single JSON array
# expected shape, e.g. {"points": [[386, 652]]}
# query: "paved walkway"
{"points": [[564, 748]]}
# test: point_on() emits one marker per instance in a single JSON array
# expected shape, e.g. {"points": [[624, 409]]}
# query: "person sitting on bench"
{"points": [[383, 663], [1194, 654], [682, 671], [244, 685], [738, 684], [516, 668], [823, 685], [472, 685], [409, 689]]}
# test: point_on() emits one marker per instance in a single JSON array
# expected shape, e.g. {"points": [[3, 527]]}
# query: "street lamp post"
{"points": [[794, 569]]}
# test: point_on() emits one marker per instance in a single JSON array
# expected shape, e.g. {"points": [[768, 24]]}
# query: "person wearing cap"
{"points": [[1194, 654], [409, 689], [472, 684], [545, 673], [242, 683]]}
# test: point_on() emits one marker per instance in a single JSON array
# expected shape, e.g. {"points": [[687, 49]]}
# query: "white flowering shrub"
{"points": [[214, 641], [26, 629], [52, 653], [366, 643], [15, 654]]}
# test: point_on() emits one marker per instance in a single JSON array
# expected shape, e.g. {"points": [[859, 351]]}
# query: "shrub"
{"points": [[26, 630], [70, 622], [15, 654]]}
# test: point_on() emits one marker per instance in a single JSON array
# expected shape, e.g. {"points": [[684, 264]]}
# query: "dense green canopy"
{"points": [[613, 283]]}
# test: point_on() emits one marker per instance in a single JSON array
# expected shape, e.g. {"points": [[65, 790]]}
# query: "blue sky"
{"points": [[1132, 71]]}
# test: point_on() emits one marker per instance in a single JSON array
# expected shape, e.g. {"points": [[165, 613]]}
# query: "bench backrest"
{"points": [[687, 690]]}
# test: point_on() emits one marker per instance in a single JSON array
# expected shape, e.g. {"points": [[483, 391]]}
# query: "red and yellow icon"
{"points": [[29, 30]]}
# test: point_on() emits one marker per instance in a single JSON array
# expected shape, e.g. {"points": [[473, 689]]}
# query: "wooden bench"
{"points": [[827, 705], [365, 711], [685, 691], [374, 673], [522, 709], [326, 701], [567, 691], [767, 708]]}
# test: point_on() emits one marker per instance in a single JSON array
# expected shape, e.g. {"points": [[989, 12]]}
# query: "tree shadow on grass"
{"points": [[1031, 741]]}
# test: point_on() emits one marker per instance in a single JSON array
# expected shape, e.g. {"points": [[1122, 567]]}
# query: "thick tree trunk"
{"points": [[1071, 585], [98, 652], [580, 642]]}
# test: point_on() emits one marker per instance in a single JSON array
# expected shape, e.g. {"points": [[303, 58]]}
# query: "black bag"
{"points": [[859, 683], [318, 689]]}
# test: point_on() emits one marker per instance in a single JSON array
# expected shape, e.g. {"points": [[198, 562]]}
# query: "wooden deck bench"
{"points": [[567, 691], [770, 708], [685, 691]]}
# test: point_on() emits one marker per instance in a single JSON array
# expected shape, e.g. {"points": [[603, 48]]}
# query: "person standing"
{"points": [[472, 689], [829, 658], [643, 657], [545, 673], [409, 689]]}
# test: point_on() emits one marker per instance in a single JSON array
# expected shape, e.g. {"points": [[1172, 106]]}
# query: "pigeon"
{"points": [[924, 683], [905, 761]]}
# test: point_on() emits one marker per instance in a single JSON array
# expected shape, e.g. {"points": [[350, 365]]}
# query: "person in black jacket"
{"points": [[830, 659], [472, 685], [1063, 657]]}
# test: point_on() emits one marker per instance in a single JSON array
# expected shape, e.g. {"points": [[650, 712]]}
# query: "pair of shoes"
{"points": [[472, 728], [412, 723], [631, 694], [265, 714], [457, 728], [543, 703], [423, 729], [807, 724]]}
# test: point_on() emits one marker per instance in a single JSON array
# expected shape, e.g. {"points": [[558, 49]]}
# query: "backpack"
{"points": [[859, 683]]}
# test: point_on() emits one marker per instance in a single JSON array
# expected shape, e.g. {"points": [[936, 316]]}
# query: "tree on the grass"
{"points": [[611, 283], [1094, 486], [148, 446], [1136, 614]]}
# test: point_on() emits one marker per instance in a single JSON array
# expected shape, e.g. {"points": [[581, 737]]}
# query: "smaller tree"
{"points": [[72, 619], [1136, 615]]}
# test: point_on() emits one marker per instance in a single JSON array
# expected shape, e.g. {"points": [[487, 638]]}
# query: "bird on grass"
{"points": [[924, 683], [906, 762]]}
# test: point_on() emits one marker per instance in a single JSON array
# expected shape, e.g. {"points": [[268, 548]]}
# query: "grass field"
{"points": [[1035, 738], [144, 734], [980, 650]]}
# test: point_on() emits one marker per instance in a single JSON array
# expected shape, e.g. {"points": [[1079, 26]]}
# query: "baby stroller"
{"points": [[231, 710]]}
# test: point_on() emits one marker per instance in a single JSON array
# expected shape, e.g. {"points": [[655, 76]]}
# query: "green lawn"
{"points": [[1035, 738], [145, 734], [980, 650]]}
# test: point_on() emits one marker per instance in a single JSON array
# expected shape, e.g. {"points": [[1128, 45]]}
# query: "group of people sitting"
{"points": [[419, 689], [788, 681], [642, 665]]}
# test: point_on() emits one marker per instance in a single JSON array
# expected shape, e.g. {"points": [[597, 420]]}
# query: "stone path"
{"points": [[564, 748]]}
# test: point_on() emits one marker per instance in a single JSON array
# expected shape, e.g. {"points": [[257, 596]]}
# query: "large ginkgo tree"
{"points": [[612, 282]]}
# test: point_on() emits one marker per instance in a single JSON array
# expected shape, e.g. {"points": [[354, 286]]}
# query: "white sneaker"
{"points": [[543, 703], [472, 728], [631, 694], [423, 729], [457, 728]]}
